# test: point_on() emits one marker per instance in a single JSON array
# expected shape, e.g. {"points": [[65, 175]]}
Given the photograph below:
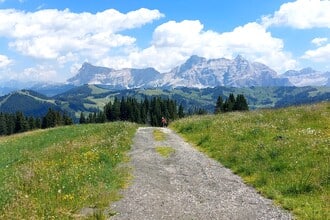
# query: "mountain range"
{"points": [[196, 72], [199, 72]]}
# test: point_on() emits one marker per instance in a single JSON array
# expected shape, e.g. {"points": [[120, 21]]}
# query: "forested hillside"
{"points": [[92, 98]]}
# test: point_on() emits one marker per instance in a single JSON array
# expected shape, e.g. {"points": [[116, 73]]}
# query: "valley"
{"points": [[92, 98]]}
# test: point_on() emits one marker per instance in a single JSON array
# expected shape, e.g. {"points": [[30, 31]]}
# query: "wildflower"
{"points": [[68, 197]]}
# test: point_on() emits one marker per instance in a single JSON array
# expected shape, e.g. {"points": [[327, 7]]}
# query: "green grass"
{"points": [[55, 173], [159, 135], [164, 151], [283, 153]]}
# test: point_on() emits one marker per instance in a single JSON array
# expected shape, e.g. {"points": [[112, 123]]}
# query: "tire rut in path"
{"points": [[186, 185]]}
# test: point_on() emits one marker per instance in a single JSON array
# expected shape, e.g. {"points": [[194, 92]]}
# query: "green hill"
{"points": [[92, 98], [29, 102], [283, 153], [89, 97]]}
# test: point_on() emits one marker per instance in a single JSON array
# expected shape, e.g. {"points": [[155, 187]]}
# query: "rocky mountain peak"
{"points": [[240, 58], [307, 70], [191, 62], [199, 72]]}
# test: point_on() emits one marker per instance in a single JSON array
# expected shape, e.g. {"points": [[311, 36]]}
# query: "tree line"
{"points": [[147, 111], [12, 123], [231, 104]]}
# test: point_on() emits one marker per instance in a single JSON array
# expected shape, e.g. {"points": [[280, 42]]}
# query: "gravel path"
{"points": [[186, 185]]}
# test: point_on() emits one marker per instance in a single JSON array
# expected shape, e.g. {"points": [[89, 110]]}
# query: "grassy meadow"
{"points": [[65, 172], [283, 153]]}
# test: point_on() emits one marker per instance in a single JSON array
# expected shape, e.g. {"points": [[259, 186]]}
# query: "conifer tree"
{"points": [[144, 111], [180, 111], [49, 120], [100, 118], [241, 103], [82, 119], [66, 119], [108, 111], [3, 124], [21, 124], [219, 105], [32, 123], [116, 110], [38, 122], [10, 121]]}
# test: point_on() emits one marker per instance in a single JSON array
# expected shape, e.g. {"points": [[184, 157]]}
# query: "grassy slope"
{"points": [[55, 173], [284, 153]]}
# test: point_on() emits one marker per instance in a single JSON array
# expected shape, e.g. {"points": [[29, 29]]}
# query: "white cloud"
{"points": [[51, 34], [173, 42], [4, 61], [39, 73], [319, 41], [67, 58], [301, 14], [321, 54]]}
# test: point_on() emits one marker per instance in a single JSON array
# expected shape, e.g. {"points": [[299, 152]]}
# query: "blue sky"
{"points": [[49, 40]]}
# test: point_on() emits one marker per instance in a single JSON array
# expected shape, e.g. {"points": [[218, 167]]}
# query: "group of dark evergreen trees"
{"points": [[12, 123], [231, 104], [148, 111]]}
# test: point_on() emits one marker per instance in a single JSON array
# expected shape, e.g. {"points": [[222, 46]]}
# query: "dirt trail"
{"points": [[186, 185]]}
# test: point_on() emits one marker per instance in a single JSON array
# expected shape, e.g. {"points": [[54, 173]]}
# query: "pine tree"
{"points": [[241, 103], [49, 120], [38, 123], [32, 123], [21, 124], [144, 111], [108, 111], [100, 118], [66, 119], [231, 102], [116, 110], [82, 119], [180, 111], [3, 124], [123, 110], [219, 106], [10, 121]]}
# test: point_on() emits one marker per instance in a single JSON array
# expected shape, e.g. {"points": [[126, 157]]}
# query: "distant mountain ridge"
{"points": [[308, 77], [239, 72], [196, 72], [119, 79]]}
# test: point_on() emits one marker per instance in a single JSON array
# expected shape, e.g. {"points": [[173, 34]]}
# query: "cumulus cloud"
{"points": [[51, 33], [301, 14], [173, 42], [321, 54], [39, 73], [319, 41], [4, 61]]}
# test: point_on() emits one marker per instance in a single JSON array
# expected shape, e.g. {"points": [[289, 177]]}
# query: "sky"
{"points": [[49, 40]]}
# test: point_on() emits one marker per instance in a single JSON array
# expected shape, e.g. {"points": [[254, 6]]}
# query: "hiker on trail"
{"points": [[164, 122]]}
